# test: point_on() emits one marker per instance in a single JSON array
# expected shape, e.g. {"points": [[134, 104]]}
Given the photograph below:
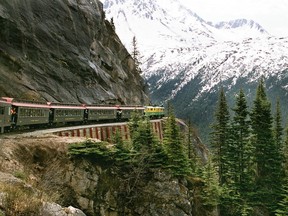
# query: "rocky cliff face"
{"points": [[64, 51], [96, 188]]}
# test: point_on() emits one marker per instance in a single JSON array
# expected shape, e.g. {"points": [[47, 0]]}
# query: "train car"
{"points": [[5, 117], [154, 112], [66, 113], [128, 110], [16, 113], [27, 112], [101, 112]]}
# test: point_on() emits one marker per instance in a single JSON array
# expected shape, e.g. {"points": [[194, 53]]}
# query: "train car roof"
{"points": [[150, 107], [4, 102], [7, 99], [132, 108], [23, 103], [66, 106], [101, 107], [32, 105]]}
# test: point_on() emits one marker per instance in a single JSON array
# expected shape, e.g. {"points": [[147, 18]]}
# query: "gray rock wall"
{"points": [[95, 186], [64, 50]]}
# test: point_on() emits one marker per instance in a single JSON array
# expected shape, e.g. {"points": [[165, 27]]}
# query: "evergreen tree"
{"points": [[173, 144], [267, 155], [136, 55], [240, 150], [283, 204], [121, 154], [145, 138], [133, 125], [239, 176], [191, 150], [285, 152], [145, 144], [278, 129], [112, 23], [219, 137], [282, 210], [211, 191]]}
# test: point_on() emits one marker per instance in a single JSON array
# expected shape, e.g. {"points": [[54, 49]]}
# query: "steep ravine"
{"points": [[96, 188], [65, 51]]}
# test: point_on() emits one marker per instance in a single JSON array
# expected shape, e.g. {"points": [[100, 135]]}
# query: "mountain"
{"points": [[64, 51], [187, 59], [239, 23], [239, 28], [157, 24]]}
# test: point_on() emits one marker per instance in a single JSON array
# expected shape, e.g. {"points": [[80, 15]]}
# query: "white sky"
{"points": [[272, 15]]}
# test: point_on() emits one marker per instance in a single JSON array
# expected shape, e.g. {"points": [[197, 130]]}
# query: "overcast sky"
{"points": [[272, 15]]}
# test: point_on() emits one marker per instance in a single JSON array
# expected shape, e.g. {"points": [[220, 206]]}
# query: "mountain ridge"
{"points": [[189, 65]]}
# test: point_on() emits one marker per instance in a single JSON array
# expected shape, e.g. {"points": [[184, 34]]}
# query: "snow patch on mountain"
{"points": [[179, 45]]}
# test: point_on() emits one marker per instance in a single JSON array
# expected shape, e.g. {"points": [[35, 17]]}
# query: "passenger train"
{"points": [[16, 113]]}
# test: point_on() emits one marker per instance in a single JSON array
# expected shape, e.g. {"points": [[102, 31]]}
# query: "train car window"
{"points": [[101, 112], [31, 112], [22, 112], [2, 110], [67, 112]]}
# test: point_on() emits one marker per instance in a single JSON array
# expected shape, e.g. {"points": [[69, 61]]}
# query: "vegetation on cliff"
{"points": [[143, 148], [135, 162], [250, 156]]}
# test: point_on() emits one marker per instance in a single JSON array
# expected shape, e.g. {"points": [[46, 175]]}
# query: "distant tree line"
{"points": [[249, 156]]}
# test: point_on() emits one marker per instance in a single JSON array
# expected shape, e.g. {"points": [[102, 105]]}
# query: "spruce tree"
{"points": [[173, 144], [145, 144], [133, 125], [278, 133], [220, 136], [191, 150], [283, 204], [285, 153], [112, 23], [211, 192], [239, 176], [136, 55], [240, 150], [278, 129], [282, 209], [145, 138], [267, 155], [121, 154]]}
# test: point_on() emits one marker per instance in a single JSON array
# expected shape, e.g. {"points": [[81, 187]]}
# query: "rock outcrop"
{"points": [[97, 188], [17, 197], [64, 51]]}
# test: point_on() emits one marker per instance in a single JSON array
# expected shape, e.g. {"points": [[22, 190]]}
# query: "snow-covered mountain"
{"points": [[186, 59], [157, 24], [239, 23]]}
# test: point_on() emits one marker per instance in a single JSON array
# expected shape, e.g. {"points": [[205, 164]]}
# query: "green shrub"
{"points": [[89, 149]]}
